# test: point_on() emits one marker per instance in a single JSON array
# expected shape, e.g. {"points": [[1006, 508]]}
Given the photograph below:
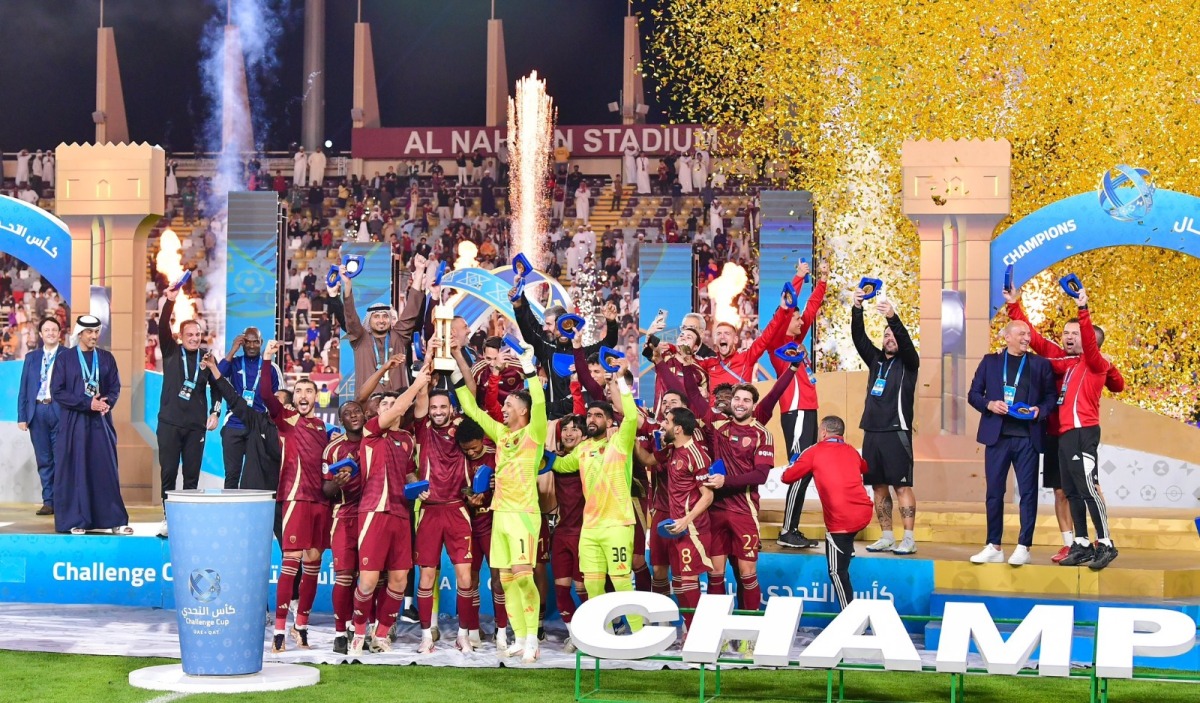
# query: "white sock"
{"points": [[1106, 542], [1068, 538], [889, 536], [427, 632], [908, 536], [1082, 541], [531, 641], [280, 632], [462, 632]]}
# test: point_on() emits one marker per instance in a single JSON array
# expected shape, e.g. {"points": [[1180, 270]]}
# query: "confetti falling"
{"points": [[823, 95]]}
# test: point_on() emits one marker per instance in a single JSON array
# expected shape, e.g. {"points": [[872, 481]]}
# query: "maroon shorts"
{"points": [[661, 548], [733, 534], [481, 541], [305, 525], [564, 557], [641, 512], [384, 542], [543, 545], [689, 557], [345, 543], [446, 525]]}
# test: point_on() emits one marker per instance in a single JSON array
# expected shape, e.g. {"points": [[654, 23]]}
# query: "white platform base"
{"points": [[273, 677]]}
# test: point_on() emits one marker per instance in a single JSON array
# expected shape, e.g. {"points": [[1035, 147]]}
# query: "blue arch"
{"points": [[39, 239], [1079, 224]]}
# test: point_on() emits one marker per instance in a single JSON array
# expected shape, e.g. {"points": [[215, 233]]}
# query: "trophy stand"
{"points": [[443, 318]]}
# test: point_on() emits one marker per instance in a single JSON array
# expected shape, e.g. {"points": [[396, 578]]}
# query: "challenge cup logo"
{"points": [[204, 585], [1126, 193]]}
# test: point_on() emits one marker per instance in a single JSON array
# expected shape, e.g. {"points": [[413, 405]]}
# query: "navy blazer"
{"points": [[31, 377], [988, 385]]}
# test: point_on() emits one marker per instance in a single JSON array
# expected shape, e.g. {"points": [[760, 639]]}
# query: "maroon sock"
{"points": [[343, 600], [688, 596], [662, 586], [498, 606], [380, 593], [641, 578], [283, 590], [391, 608], [425, 607], [581, 593], [468, 611], [311, 572], [564, 598], [751, 593], [364, 610], [716, 583]]}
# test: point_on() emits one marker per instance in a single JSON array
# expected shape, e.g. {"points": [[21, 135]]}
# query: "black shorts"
{"points": [[1051, 473], [889, 459]]}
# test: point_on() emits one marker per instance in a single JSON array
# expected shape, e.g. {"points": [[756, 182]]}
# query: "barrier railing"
{"points": [[835, 684]]}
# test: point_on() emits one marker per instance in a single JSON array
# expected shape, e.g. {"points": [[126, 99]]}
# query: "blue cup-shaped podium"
{"points": [[221, 560]]}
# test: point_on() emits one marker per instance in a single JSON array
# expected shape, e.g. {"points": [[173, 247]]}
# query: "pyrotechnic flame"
{"points": [[169, 262], [466, 255], [530, 137], [724, 290]]}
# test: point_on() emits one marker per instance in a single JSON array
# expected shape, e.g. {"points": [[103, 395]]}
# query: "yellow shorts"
{"points": [[606, 550], [514, 539]]}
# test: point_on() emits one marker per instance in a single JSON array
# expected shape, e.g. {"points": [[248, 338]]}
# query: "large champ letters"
{"points": [[1048, 625]]}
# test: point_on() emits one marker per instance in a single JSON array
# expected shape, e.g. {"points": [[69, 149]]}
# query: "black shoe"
{"points": [[1104, 556], [1079, 555], [541, 634], [410, 615], [46, 509], [339, 645], [806, 543], [791, 540], [277, 644]]}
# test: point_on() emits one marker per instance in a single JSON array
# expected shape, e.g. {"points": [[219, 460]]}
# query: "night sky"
{"points": [[430, 58]]}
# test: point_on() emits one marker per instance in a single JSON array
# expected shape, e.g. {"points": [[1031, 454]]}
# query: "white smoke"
{"points": [[259, 26]]}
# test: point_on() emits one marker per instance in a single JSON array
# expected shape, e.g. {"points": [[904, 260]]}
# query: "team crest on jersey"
{"points": [[745, 441], [510, 382]]}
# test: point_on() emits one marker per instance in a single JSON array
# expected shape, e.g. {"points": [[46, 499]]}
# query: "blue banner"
{"points": [[39, 239], [253, 264], [785, 237], [665, 276], [1082, 223]]}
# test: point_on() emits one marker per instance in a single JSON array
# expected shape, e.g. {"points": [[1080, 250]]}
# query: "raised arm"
{"points": [[492, 428], [354, 327], [1087, 335], [397, 410], [584, 372], [611, 331], [867, 351], [372, 383], [905, 349], [537, 412], [1037, 342], [274, 407], [166, 341]]}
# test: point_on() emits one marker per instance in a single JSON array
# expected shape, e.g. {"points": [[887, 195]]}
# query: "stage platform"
{"points": [[1159, 566]]}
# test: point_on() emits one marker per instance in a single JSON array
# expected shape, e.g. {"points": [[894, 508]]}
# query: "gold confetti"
{"points": [[823, 96]]}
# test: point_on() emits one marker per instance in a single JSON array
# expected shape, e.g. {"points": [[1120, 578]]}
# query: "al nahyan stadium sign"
{"points": [[1122, 634]]}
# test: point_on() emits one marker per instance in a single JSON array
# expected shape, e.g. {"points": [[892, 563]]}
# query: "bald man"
{"points": [[1014, 392]]}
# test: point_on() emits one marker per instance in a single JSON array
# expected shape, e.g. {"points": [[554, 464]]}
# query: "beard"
{"points": [[594, 431]]}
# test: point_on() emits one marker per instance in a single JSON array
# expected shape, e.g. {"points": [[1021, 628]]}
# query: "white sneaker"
{"points": [[532, 650], [516, 649], [882, 545], [569, 646], [463, 644], [1020, 556], [989, 555], [162, 528], [501, 643], [426, 645], [356, 645], [905, 547], [475, 638], [379, 645]]}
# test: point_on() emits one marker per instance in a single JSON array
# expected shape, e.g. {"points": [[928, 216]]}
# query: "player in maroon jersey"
{"points": [[659, 508], [343, 489], [384, 537], [686, 465], [564, 555], [306, 515], [480, 452], [444, 521], [837, 468]]}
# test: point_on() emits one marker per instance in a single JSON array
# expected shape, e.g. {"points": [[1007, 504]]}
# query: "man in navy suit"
{"points": [[36, 411], [1011, 380]]}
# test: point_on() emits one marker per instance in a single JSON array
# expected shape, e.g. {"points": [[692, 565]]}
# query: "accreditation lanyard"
{"points": [[1062, 394], [387, 350], [249, 393], [731, 372], [91, 377], [189, 385], [1010, 392], [47, 364], [881, 382]]}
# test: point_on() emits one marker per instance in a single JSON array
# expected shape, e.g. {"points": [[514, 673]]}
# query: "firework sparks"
{"points": [[530, 134], [723, 292], [466, 255]]}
